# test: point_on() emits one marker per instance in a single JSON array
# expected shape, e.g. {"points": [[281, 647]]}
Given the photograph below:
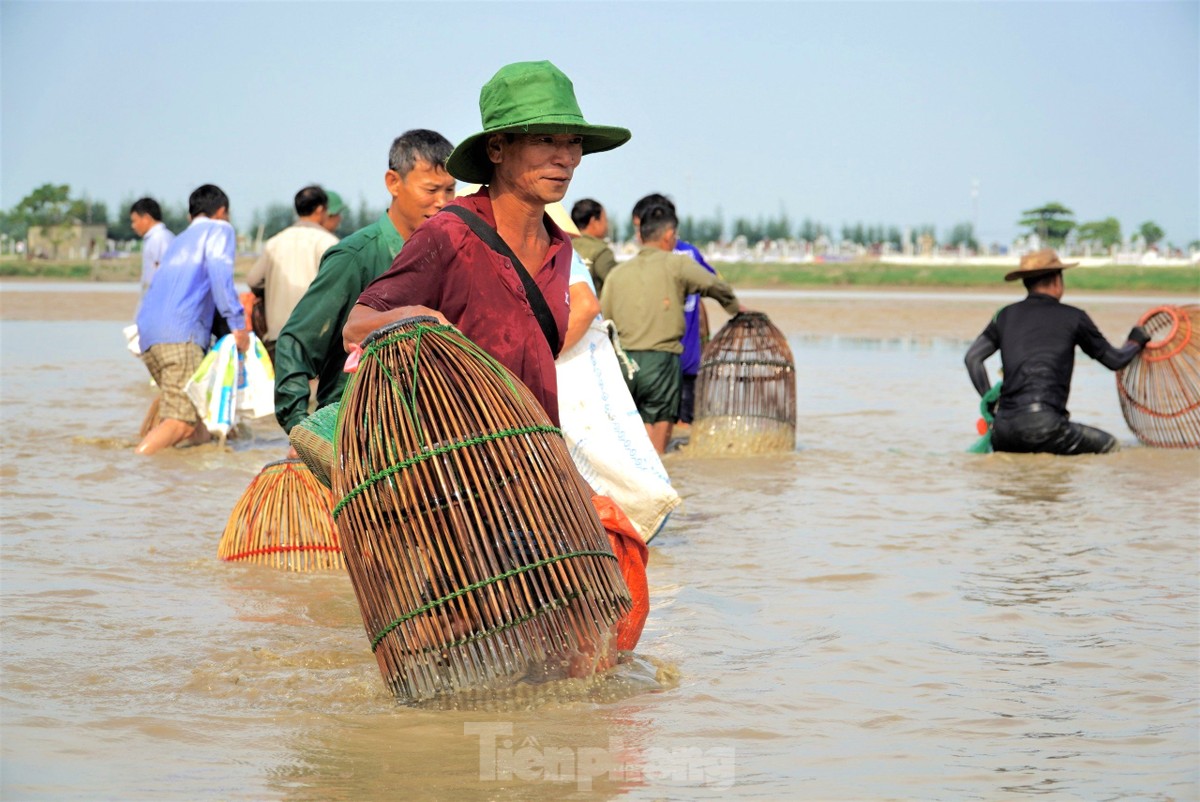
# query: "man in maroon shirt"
{"points": [[533, 139]]}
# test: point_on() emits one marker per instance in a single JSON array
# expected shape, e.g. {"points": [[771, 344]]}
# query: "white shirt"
{"points": [[287, 266], [154, 245]]}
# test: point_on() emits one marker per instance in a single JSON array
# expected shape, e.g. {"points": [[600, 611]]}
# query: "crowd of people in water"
{"points": [[522, 279]]}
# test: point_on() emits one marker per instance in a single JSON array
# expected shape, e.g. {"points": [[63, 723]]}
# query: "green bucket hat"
{"points": [[334, 205], [528, 97]]}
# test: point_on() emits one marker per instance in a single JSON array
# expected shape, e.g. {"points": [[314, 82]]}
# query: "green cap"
{"points": [[529, 97], [335, 205]]}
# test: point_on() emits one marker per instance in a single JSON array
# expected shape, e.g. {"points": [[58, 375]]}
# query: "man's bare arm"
{"points": [[584, 308], [363, 320]]}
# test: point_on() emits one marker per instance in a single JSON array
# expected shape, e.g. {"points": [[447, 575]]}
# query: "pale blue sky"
{"points": [[842, 112]]}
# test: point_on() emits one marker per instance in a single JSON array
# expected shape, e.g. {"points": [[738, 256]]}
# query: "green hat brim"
{"points": [[470, 163]]}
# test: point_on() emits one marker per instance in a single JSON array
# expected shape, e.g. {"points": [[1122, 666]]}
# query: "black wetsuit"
{"points": [[1036, 339]]}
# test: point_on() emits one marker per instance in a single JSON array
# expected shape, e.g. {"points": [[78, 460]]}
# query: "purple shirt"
{"points": [[194, 278], [689, 361]]}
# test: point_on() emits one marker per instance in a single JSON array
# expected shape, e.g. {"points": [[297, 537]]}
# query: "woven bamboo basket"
{"points": [[283, 519], [745, 391], [314, 439], [474, 550], [1160, 389]]}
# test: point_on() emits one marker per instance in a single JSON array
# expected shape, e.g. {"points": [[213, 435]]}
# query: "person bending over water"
{"points": [[1036, 339]]}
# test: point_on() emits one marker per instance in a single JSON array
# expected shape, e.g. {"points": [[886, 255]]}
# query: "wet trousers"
{"points": [[1047, 432]]}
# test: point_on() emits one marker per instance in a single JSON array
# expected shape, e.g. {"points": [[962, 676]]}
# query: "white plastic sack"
{"points": [[257, 395], [230, 386], [606, 436], [131, 339]]}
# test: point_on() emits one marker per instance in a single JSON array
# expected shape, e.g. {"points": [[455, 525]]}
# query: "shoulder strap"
{"points": [[537, 302]]}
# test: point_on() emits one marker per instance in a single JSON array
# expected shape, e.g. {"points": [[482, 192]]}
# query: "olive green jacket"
{"points": [[597, 256], [644, 297]]}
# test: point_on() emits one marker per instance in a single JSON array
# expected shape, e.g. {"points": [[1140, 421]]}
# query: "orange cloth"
{"points": [[632, 555], [248, 300]]}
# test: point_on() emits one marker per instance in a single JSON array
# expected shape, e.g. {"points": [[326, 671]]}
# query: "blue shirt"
{"points": [[580, 273], [154, 246], [194, 278], [689, 360]]}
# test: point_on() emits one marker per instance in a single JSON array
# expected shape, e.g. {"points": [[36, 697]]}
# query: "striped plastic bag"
{"points": [[230, 386]]}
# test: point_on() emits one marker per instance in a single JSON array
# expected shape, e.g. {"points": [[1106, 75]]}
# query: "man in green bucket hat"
{"points": [[493, 263], [529, 97]]}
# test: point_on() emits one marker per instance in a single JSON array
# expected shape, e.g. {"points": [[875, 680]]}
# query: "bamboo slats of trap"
{"points": [[474, 552], [1160, 389], [745, 391], [313, 438], [283, 519]]}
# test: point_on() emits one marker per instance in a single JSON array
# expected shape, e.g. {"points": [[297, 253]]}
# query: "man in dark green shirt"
{"points": [[310, 344]]}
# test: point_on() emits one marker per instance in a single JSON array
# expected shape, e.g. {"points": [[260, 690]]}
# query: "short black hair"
{"points": [[655, 219], [147, 206], [207, 200], [585, 211], [1034, 281], [309, 199], [415, 146], [639, 208]]}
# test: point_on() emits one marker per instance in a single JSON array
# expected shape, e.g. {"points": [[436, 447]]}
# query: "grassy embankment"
{"points": [[1122, 278], [1178, 280], [129, 269]]}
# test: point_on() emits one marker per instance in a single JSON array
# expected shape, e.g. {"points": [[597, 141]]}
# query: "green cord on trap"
{"points": [[437, 452], [484, 583]]}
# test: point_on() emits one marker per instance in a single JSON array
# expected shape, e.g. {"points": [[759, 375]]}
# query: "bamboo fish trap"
{"points": [[745, 391], [283, 519], [1160, 389], [474, 551], [313, 438]]}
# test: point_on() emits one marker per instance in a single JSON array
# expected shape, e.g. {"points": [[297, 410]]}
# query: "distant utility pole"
{"points": [[975, 208]]}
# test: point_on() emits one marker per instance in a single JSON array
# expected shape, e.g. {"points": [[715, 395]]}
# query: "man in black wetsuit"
{"points": [[1036, 339]]}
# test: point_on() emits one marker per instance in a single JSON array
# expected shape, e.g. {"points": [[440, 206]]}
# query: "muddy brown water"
{"points": [[878, 615]]}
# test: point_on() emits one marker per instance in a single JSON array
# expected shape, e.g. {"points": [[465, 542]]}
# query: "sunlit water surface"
{"points": [[878, 615]]}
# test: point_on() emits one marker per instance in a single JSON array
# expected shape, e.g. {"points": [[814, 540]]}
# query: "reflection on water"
{"points": [[875, 615]]}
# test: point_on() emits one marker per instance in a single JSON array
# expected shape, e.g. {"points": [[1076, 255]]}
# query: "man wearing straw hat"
{"points": [[493, 263], [1036, 339]]}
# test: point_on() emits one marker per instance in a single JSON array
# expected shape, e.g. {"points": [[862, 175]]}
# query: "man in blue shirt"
{"points": [[194, 279], [694, 320]]}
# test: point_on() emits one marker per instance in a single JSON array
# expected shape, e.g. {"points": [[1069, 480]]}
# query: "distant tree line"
{"points": [[702, 230], [1055, 225], [51, 205], [1052, 222], [278, 216]]}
